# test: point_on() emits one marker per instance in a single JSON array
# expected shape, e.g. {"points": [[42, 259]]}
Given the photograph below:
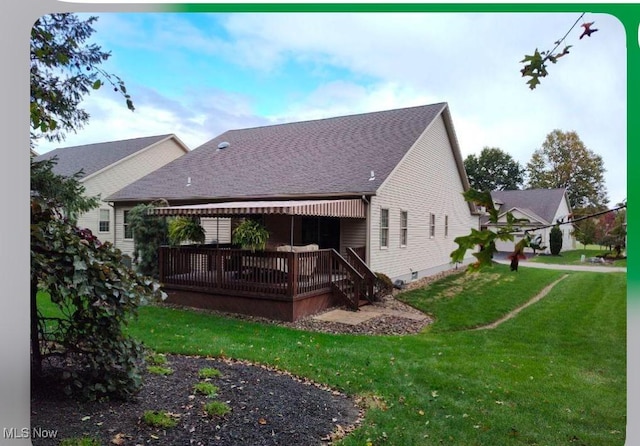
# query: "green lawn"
{"points": [[574, 257], [555, 374]]}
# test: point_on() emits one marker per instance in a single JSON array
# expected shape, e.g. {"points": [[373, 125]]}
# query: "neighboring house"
{"points": [[109, 166], [541, 207], [387, 183]]}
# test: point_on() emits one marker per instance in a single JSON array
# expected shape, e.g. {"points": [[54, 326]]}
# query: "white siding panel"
{"points": [[121, 174], [125, 245], [568, 240], [426, 181], [353, 233]]}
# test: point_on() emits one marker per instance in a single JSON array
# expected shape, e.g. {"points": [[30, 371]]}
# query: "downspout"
{"points": [[110, 203], [291, 236], [367, 238]]}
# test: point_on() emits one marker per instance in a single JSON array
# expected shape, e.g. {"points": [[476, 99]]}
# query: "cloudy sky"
{"points": [[198, 75]]}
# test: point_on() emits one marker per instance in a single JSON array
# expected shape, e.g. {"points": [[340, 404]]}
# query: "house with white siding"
{"points": [[107, 167], [538, 210], [386, 185]]}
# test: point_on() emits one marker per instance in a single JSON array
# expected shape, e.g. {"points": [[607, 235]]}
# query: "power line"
{"points": [[597, 214]]}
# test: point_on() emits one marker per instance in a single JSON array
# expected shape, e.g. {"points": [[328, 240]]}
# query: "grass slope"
{"points": [[555, 374]]}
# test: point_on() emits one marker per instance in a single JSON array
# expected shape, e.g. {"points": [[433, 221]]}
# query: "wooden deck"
{"points": [[278, 285]]}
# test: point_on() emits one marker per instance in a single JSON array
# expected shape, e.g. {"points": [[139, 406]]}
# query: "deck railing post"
{"points": [[292, 268], [219, 269], [161, 261]]}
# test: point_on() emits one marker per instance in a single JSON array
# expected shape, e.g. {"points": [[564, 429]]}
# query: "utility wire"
{"points": [[597, 214]]}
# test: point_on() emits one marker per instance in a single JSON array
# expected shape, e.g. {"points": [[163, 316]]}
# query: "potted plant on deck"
{"points": [[251, 235], [185, 229]]}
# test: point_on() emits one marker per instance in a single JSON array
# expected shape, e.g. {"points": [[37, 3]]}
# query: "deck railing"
{"points": [[245, 272], [356, 258], [347, 281]]}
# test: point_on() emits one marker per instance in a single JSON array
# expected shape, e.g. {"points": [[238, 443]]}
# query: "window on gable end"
{"points": [[404, 230], [104, 220], [432, 225], [446, 226], [384, 228]]}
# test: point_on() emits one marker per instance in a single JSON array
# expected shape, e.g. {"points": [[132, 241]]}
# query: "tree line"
{"points": [[562, 161]]}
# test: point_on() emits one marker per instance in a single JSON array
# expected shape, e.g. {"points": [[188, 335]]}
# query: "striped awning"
{"points": [[352, 208]]}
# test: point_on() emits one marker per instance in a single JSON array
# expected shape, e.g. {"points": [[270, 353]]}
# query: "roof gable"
{"points": [[324, 157], [522, 213], [542, 203], [91, 158]]}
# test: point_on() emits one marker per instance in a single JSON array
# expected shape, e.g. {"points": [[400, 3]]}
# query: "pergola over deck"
{"points": [[280, 285]]}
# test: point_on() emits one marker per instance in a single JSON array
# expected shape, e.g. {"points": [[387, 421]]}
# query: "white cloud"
{"points": [[353, 63]]}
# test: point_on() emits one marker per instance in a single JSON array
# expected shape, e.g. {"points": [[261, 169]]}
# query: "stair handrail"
{"points": [[357, 278], [368, 275]]}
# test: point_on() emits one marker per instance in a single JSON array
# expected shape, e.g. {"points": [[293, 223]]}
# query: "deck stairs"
{"points": [[354, 282]]}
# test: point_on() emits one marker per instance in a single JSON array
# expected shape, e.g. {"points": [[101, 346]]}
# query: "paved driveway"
{"points": [[590, 268]]}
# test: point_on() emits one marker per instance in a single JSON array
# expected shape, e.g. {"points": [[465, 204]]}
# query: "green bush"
{"points": [[185, 229], [383, 285], [159, 419], [159, 370], [97, 296], [156, 359], [149, 233], [206, 388], [251, 235], [555, 240], [84, 441], [217, 408], [209, 372]]}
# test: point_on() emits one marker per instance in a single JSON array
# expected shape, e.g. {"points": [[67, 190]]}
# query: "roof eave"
{"points": [[201, 200]]}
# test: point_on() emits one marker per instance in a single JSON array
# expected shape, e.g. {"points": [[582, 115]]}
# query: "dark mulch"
{"points": [[267, 408]]}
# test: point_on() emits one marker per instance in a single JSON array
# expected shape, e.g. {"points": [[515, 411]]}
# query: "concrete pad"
{"points": [[347, 317]]}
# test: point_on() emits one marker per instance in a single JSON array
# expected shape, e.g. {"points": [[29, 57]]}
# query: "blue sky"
{"points": [[198, 75]]}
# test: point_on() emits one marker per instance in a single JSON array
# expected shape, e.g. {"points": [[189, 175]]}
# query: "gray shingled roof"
{"points": [[322, 157], [91, 158], [542, 202]]}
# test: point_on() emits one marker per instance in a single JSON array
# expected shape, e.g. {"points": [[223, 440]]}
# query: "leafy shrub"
{"points": [[251, 235], [159, 370], [217, 408], [185, 229], [97, 295], [383, 286], [555, 240], [149, 233], [84, 441], [159, 419], [209, 372], [206, 388], [156, 359]]}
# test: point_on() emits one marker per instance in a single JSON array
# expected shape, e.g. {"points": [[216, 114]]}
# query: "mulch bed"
{"points": [[268, 407]]}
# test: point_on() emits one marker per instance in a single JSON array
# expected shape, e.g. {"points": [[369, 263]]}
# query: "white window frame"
{"points": [[404, 229], [384, 228], [432, 225], [125, 226], [446, 226], [101, 220]]}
